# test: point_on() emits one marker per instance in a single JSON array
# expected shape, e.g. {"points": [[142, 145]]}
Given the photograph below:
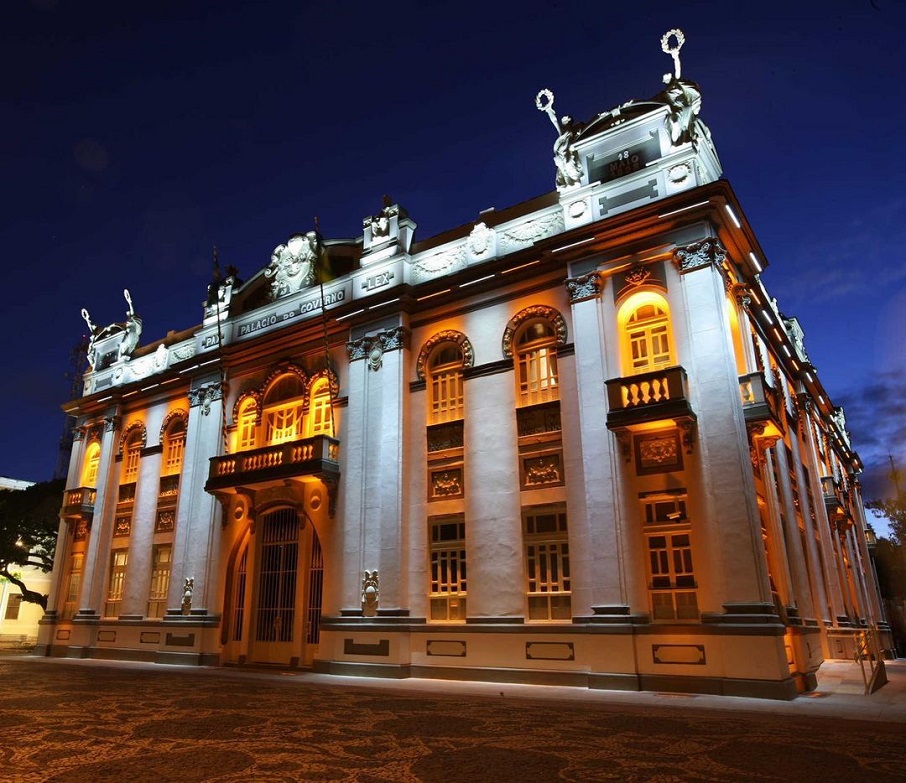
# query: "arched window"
{"points": [[247, 425], [646, 338], [90, 468], [174, 446], [132, 451], [444, 382], [283, 407], [536, 363], [320, 414]]}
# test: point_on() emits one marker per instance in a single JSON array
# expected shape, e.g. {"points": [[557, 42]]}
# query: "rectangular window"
{"points": [[538, 376], [13, 604], [130, 462], [73, 585], [176, 446], [671, 573], [114, 603], [448, 568], [320, 413], [548, 586], [247, 429], [161, 557], [446, 396]]}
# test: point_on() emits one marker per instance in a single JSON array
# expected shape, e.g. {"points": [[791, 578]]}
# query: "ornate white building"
{"points": [[574, 442]]}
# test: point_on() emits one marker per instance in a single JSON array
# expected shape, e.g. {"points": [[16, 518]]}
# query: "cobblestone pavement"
{"points": [[75, 721]]}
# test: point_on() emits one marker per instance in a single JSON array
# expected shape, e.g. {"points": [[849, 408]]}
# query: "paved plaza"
{"points": [[72, 721]]}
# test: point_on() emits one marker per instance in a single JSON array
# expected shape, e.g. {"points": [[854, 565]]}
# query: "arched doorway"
{"points": [[276, 586]]}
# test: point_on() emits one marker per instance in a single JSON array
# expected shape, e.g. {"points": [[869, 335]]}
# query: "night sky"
{"points": [[137, 135]]}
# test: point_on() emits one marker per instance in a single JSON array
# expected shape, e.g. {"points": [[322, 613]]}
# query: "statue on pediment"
{"points": [[128, 332], [566, 159], [293, 265], [683, 98]]}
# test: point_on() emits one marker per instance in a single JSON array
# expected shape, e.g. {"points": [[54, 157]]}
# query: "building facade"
{"points": [[573, 442]]}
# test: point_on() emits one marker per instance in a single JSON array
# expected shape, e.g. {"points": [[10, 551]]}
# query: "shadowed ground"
{"points": [[73, 722]]}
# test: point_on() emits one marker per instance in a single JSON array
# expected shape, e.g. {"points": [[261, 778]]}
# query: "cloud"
{"points": [[876, 419]]}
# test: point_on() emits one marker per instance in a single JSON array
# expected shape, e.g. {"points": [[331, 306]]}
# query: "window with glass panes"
{"points": [[174, 447], [116, 583], [283, 410], [536, 363], [73, 584], [671, 574], [447, 546], [548, 584], [320, 413], [247, 424], [92, 460], [649, 340], [131, 455], [160, 580], [445, 387]]}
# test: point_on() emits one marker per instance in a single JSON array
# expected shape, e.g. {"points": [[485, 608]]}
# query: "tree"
{"points": [[29, 519], [894, 509]]}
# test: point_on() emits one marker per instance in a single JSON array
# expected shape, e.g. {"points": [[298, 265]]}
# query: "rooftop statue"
{"points": [[129, 333], [566, 159], [683, 97]]}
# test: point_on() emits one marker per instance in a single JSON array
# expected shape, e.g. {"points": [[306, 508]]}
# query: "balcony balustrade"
{"points": [[836, 499], [760, 402], [317, 456], [79, 502], [650, 396]]}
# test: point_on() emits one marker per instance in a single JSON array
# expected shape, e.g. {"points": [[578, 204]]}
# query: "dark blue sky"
{"points": [[136, 135]]}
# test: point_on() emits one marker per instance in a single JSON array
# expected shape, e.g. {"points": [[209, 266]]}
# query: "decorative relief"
{"points": [[577, 209], [481, 240], [165, 522], [535, 311], [541, 471], [740, 293], [658, 453], [446, 483], [81, 529], [111, 423], [179, 413], [679, 174], [708, 252], [204, 395], [638, 275], [127, 434], [77, 434], [584, 287], [183, 352], [374, 346], [122, 526], [371, 593], [440, 263], [293, 266], [530, 232], [248, 394], [447, 336]]}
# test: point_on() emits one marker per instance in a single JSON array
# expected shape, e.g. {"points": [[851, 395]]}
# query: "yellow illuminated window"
{"points": [[536, 363], [283, 407], [445, 387], [671, 575], [92, 459], [645, 326], [131, 455], [320, 413], [248, 415], [174, 447]]}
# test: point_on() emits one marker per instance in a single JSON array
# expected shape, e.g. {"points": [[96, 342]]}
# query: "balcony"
{"points": [[760, 405], [78, 502], [317, 457], [835, 499], [649, 397]]}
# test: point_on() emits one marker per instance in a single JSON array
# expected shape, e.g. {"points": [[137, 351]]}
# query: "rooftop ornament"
{"points": [[566, 159], [683, 98], [128, 332]]}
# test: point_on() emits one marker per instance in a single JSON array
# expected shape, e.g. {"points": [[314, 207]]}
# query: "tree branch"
{"points": [[29, 596]]}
